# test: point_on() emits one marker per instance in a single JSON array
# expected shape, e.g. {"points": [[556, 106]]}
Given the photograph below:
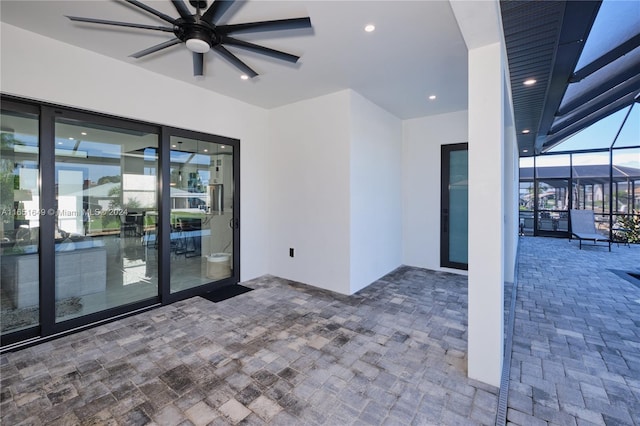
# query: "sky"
{"points": [[602, 133], [616, 22]]}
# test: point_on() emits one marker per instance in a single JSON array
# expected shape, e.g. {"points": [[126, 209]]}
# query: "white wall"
{"points": [[511, 188], [492, 166], [376, 192], [308, 173], [422, 139], [63, 74], [486, 213], [335, 197]]}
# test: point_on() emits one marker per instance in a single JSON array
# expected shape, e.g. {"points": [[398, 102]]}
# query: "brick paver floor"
{"points": [[283, 354], [576, 348], [395, 353]]}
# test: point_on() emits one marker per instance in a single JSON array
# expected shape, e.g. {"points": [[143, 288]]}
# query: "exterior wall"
{"points": [[63, 74], [422, 139], [376, 192], [308, 208], [492, 160], [511, 189], [486, 213], [335, 167]]}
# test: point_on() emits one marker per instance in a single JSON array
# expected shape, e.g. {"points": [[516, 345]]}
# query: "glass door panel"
{"points": [[553, 206], [454, 206], [20, 227], [106, 199], [202, 194]]}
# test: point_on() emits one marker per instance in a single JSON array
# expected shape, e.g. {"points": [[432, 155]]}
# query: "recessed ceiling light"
{"points": [[173, 146], [432, 97], [525, 131], [525, 150], [83, 133], [71, 139], [244, 77], [59, 143], [221, 146], [206, 150], [530, 82], [370, 28]]}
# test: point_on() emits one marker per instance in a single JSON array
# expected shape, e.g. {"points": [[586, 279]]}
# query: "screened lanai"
{"points": [[598, 169], [578, 123]]}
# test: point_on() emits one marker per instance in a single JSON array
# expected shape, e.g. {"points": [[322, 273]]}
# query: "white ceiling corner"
{"points": [[416, 50]]}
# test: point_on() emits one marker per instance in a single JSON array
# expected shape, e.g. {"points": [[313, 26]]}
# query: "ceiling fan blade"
{"points": [[279, 24], [181, 8], [119, 24], [261, 49], [216, 10], [151, 10], [198, 64], [235, 61], [155, 48]]}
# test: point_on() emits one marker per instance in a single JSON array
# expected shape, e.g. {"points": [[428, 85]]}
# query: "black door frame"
{"points": [[48, 328], [445, 151], [165, 209]]}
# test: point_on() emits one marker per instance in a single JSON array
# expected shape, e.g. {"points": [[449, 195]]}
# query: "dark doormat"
{"points": [[225, 293]]}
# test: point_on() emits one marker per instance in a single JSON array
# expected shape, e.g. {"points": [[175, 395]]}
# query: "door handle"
{"points": [[445, 220]]}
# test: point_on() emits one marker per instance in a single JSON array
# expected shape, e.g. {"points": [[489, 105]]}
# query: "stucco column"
{"points": [[486, 213]]}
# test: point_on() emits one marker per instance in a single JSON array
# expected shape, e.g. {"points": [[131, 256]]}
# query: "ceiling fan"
{"points": [[201, 32]]}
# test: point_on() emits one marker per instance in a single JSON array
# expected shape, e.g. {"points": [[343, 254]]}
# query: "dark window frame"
{"points": [[47, 113]]}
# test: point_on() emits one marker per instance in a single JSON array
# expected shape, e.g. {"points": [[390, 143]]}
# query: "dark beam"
{"points": [[606, 59], [577, 22], [630, 86], [556, 138], [624, 74]]}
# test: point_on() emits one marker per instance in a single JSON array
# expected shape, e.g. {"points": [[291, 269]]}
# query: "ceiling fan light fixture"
{"points": [[201, 32], [197, 45]]}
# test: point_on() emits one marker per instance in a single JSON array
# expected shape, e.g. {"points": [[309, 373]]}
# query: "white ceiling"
{"points": [[416, 50]]}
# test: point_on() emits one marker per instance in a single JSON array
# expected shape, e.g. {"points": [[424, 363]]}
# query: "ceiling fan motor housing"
{"points": [[198, 35], [198, 4]]}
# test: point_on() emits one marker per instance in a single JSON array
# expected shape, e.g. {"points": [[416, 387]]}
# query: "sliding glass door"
{"points": [[20, 211], [106, 197], [202, 223], [103, 216]]}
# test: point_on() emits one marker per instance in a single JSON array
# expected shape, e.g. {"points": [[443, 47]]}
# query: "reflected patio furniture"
{"points": [[149, 228], [128, 225], [190, 231], [583, 227]]}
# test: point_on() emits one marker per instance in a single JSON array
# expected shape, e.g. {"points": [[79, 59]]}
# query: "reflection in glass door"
{"points": [[106, 201], [553, 207], [20, 227], [201, 221]]}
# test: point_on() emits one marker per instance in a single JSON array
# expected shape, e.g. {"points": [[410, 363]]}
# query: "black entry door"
{"points": [[454, 209]]}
